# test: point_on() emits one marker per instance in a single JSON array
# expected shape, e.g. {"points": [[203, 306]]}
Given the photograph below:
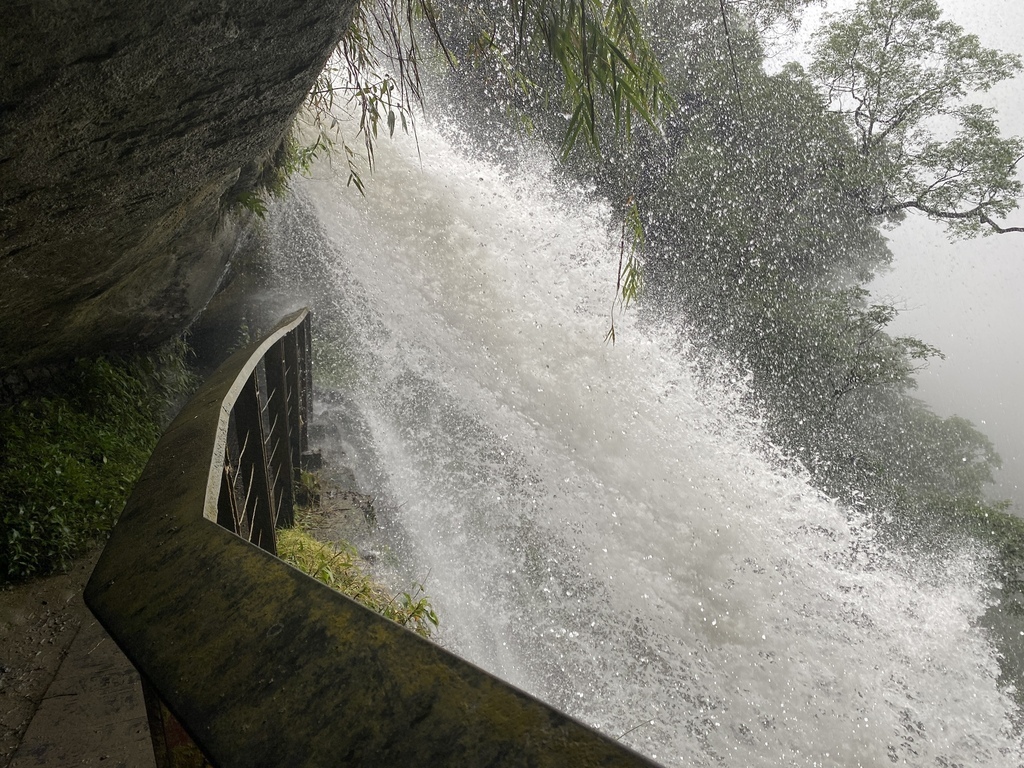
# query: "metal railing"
{"points": [[248, 662]]}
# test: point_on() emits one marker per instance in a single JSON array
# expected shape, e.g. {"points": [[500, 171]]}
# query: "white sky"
{"points": [[967, 298]]}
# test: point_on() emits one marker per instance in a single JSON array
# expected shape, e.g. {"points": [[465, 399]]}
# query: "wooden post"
{"points": [[304, 343], [283, 423], [252, 465], [173, 747], [231, 508], [294, 375]]}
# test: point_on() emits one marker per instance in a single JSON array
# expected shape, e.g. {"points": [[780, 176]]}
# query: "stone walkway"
{"points": [[69, 696], [93, 712]]}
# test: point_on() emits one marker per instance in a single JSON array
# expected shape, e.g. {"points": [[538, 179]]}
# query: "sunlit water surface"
{"points": [[590, 523]]}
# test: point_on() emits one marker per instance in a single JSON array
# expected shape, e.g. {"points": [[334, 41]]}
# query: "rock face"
{"points": [[127, 130]]}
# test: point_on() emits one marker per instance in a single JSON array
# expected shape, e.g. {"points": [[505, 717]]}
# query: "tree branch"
{"points": [[978, 212]]}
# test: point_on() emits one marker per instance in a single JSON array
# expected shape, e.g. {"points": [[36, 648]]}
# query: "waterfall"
{"points": [[590, 522]]}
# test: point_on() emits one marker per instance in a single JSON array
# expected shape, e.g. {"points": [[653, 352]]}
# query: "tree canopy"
{"points": [[899, 74]]}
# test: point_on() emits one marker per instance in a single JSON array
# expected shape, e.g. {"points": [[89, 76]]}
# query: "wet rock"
{"points": [[127, 130]]}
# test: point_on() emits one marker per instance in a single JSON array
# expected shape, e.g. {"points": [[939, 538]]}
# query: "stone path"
{"points": [[68, 697]]}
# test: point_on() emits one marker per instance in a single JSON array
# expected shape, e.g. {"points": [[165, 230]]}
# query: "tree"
{"points": [[748, 203], [899, 74], [595, 52], [765, 14], [906, 459]]}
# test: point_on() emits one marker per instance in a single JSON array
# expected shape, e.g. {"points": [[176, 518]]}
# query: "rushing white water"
{"points": [[591, 525]]}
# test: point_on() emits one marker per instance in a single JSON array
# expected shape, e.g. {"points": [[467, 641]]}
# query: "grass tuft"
{"points": [[340, 567]]}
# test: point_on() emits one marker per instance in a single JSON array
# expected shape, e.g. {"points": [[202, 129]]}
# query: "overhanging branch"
{"points": [[978, 212]]}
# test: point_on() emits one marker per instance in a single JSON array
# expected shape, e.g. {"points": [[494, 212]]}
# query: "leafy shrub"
{"points": [[71, 452]]}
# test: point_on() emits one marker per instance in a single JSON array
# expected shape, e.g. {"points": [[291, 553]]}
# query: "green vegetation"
{"points": [[586, 58], [759, 227], [890, 67], [340, 567], [292, 156], [71, 451], [764, 224]]}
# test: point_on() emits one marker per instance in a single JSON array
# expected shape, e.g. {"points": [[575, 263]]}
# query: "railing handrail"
{"points": [[264, 666], [255, 353]]}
